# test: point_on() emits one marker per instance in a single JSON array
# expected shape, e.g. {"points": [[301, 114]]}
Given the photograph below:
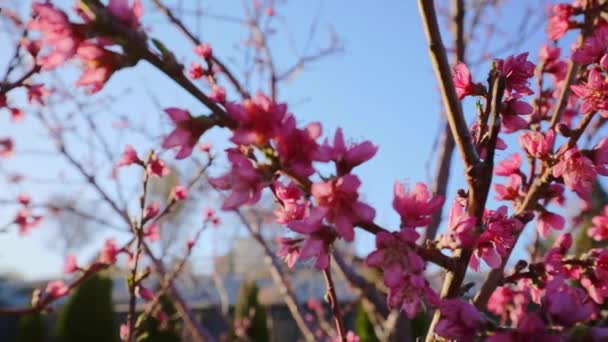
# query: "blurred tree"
{"points": [[31, 328], [251, 313], [363, 326], [168, 331]]}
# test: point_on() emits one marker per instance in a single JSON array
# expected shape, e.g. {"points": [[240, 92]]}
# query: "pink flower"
{"points": [[99, 65], [395, 256], [151, 211], [537, 144], [316, 246], [24, 199], [340, 197], [56, 289], [594, 93], [509, 191], [463, 82], [461, 228], [517, 70], [152, 232], [496, 241], [16, 114], [243, 180], [6, 147], [130, 15], [530, 328], [459, 320], [599, 230], [593, 47], [559, 21], [511, 110], [508, 166], [179, 193], [549, 56], [599, 156], [409, 293], [36, 93], [577, 171], [259, 120], [26, 221], [293, 206], [125, 331], [70, 265], [109, 252], [187, 132], [416, 206], [144, 293], [157, 167], [348, 157], [218, 94], [58, 34], [289, 249], [547, 220], [298, 148], [129, 157], [204, 51], [567, 305], [196, 71], [209, 213]]}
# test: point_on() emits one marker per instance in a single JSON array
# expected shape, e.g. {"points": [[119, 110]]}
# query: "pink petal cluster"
{"points": [[109, 252], [461, 228], [594, 93], [25, 220], [594, 46], [130, 15], [293, 206], [512, 108], [129, 157], [187, 132], [316, 244], [416, 206], [347, 157], [537, 144], [559, 21], [394, 255], [549, 59], [510, 190], [517, 71], [410, 293], [459, 320], [496, 241], [567, 305], [204, 51], [548, 220], [464, 83], [259, 120], [56, 289], [339, 196], [578, 172], [599, 230], [179, 193], [531, 327], [98, 63], [298, 148], [242, 179], [6, 147], [151, 210], [157, 168], [70, 264]]}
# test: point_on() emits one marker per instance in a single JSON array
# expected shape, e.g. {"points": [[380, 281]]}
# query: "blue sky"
{"points": [[381, 88]]}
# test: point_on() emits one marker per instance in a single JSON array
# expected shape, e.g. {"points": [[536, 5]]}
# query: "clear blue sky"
{"points": [[382, 89]]}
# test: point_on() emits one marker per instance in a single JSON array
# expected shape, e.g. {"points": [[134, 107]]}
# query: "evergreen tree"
{"points": [[249, 308], [153, 331], [363, 326], [89, 315]]}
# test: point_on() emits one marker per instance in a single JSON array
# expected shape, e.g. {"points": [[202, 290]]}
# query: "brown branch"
{"points": [[332, 298]]}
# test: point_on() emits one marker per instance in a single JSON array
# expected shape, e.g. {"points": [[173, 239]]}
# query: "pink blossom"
{"points": [[530, 328], [348, 157], [508, 303], [599, 230], [316, 246], [179, 193], [577, 171], [259, 119], [151, 211], [144, 293], [6, 147], [547, 220], [340, 197], [204, 51], [243, 180], [593, 47], [58, 34], [293, 205], [187, 132], [549, 56], [409, 293], [599, 153], [394, 255], [509, 191], [508, 166], [125, 331], [26, 221], [554, 256], [24, 199], [461, 228], [218, 94], [70, 265], [567, 305], [196, 71], [152, 232], [36, 93], [298, 148], [99, 64], [463, 82], [56, 289], [496, 241], [129, 157], [417, 206], [537, 144], [459, 320], [517, 70], [130, 15], [209, 213], [511, 109], [559, 21], [594, 93], [109, 252], [16, 114], [289, 249], [156, 167]]}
